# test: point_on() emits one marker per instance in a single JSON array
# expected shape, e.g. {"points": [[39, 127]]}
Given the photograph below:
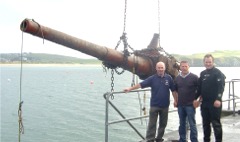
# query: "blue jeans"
{"points": [[187, 113]]}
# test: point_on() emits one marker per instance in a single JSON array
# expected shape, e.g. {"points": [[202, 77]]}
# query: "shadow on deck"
{"points": [[230, 126]]}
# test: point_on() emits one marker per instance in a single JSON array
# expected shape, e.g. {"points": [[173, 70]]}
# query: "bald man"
{"points": [[161, 84]]}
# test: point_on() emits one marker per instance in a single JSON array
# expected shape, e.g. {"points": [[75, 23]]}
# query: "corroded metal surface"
{"points": [[141, 62]]}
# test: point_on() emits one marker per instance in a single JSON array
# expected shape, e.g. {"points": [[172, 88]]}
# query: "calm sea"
{"points": [[66, 104]]}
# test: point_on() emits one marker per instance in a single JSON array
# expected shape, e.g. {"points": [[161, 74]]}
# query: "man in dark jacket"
{"points": [[186, 86], [161, 84], [211, 87]]}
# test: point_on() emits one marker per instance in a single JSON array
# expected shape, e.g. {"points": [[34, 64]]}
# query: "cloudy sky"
{"points": [[186, 26]]}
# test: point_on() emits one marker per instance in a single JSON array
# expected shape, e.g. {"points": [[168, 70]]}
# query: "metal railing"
{"points": [[232, 96], [107, 97]]}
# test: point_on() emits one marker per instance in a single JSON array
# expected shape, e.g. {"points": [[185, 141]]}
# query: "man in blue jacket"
{"points": [[161, 84]]}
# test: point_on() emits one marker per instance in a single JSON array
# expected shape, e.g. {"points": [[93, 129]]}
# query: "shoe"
{"points": [[159, 140], [150, 141]]}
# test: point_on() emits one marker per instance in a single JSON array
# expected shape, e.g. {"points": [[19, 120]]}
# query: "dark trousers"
{"points": [[211, 115], [154, 114]]}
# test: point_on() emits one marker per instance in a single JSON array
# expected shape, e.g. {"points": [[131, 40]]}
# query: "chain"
{"points": [[119, 72], [125, 16], [167, 54], [118, 44], [126, 53], [112, 83], [123, 38]]}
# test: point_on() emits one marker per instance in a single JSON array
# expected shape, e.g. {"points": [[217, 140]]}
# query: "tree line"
{"points": [[222, 59]]}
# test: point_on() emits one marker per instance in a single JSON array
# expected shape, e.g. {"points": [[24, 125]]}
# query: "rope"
{"points": [[20, 122]]}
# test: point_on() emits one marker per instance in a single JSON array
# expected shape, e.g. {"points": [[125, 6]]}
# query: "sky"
{"points": [[186, 26]]}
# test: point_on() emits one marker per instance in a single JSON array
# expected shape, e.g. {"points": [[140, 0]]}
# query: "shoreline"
{"points": [[50, 65]]}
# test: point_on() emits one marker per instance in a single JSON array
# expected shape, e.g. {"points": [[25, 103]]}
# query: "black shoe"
{"points": [[159, 140], [152, 140]]}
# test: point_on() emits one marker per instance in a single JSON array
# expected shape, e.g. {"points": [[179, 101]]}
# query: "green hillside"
{"points": [[224, 58], [40, 58]]}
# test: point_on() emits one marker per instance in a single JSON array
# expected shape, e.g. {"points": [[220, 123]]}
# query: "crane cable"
{"points": [[159, 23], [160, 48]]}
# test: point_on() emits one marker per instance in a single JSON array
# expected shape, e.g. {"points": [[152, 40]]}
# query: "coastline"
{"points": [[50, 65]]}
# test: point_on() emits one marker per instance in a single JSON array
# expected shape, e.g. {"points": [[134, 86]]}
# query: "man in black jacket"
{"points": [[211, 87]]}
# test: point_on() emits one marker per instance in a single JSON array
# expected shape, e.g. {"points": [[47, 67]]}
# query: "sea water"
{"points": [[66, 104]]}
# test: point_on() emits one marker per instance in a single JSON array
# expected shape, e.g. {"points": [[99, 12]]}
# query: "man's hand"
{"points": [[196, 103], [126, 90], [217, 103], [175, 103], [132, 88]]}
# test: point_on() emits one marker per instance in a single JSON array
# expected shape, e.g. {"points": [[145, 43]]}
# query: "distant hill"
{"points": [[224, 58], [41, 58]]}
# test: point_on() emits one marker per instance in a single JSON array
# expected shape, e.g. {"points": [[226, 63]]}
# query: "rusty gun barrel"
{"points": [[140, 65]]}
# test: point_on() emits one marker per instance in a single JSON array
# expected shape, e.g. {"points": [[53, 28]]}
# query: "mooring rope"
{"points": [[20, 120]]}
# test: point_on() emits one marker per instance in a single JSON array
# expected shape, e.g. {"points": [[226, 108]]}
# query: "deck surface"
{"points": [[230, 125]]}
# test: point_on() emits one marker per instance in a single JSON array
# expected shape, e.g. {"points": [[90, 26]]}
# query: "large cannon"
{"points": [[140, 62]]}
